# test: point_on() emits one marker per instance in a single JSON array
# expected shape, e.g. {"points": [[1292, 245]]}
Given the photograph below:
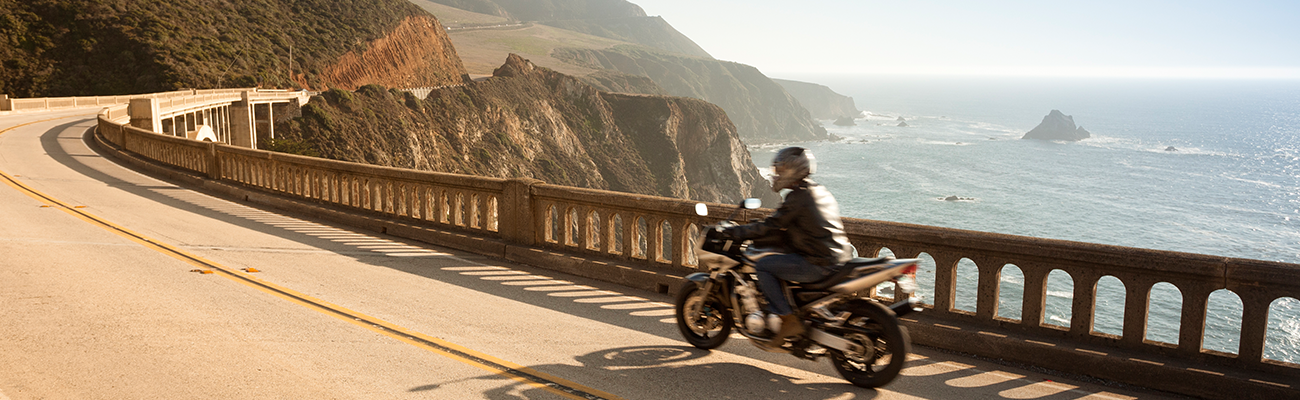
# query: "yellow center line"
{"points": [[450, 350]]}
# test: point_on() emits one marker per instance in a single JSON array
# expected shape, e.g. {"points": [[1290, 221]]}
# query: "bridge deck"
{"points": [[99, 301]]}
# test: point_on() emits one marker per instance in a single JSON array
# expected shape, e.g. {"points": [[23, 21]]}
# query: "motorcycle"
{"points": [[860, 334]]}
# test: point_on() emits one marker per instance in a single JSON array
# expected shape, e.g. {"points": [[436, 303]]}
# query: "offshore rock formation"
{"points": [[761, 109], [417, 53], [528, 121], [1057, 126], [820, 100]]}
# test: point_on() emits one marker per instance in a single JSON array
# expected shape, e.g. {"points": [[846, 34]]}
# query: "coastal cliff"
{"points": [[820, 100], [761, 109], [528, 121]]}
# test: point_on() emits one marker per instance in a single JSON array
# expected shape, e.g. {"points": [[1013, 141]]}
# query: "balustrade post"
{"points": [[1137, 302], [945, 277], [584, 228], [654, 244], [517, 223], [1034, 299], [1254, 325], [607, 234], [214, 163], [1191, 330], [986, 290], [631, 236], [680, 238], [1085, 301]]}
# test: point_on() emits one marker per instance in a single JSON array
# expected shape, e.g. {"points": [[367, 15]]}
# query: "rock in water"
{"points": [[1057, 126], [845, 121], [902, 124]]}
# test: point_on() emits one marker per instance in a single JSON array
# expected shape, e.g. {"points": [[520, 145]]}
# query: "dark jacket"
{"points": [[809, 224]]}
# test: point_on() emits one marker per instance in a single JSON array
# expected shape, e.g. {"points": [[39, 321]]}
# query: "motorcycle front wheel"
{"points": [[703, 318], [884, 342]]}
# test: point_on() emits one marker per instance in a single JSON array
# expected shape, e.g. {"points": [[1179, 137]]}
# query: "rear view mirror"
{"points": [[751, 203], [701, 210]]}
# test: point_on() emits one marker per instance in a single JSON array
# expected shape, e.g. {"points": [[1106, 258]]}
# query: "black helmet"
{"points": [[797, 163]]}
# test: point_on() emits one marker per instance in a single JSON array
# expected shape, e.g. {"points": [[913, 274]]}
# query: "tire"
{"points": [[710, 327], [875, 328]]}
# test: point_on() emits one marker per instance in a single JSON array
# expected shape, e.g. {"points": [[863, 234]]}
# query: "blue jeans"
{"points": [[790, 267]]}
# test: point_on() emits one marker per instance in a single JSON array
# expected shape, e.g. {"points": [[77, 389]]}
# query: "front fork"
{"points": [[705, 282]]}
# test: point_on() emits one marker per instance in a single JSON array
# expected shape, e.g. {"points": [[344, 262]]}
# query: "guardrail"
{"points": [[655, 234], [166, 99]]}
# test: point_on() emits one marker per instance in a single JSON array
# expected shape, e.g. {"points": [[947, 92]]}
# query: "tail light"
{"points": [[910, 269]]}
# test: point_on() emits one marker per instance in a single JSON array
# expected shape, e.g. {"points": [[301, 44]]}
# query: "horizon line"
{"points": [[1171, 73]]}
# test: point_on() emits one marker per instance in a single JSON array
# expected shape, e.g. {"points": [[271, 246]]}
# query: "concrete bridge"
{"points": [[640, 244]]}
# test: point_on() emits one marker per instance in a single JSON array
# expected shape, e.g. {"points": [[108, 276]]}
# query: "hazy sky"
{"points": [[1244, 38]]}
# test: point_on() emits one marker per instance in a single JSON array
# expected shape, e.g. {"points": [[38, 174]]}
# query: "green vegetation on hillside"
{"points": [[99, 47]]}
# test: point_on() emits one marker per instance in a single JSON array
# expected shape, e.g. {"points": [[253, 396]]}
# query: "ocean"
{"points": [[1199, 166]]}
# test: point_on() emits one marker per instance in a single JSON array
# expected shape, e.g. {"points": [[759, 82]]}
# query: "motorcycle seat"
{"points": [[842, 274]]}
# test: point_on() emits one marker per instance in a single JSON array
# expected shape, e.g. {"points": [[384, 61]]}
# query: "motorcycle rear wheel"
{"points": [[885, 342], [707, 328]]}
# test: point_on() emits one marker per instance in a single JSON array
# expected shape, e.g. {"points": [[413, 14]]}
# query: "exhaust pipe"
{"points": [[904, 307]]}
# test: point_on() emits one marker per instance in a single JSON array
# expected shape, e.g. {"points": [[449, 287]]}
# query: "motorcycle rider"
{"points": [[808, 222]]}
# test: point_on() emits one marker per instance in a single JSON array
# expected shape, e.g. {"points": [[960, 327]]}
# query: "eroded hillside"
{"points": [[528, 121], [92, 47]]}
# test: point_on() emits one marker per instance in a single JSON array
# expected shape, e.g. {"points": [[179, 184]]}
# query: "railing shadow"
{"points": [[663, 372]]}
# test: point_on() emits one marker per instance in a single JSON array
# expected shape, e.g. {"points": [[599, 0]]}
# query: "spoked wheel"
{"points": [[884, 345], [705, 321]]}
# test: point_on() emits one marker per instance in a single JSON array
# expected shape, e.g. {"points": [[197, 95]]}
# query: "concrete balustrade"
{"points": [[645, 242]]}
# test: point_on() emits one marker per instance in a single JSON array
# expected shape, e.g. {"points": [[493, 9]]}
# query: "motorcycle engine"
{"points": [[774, 322], [755, 323]]}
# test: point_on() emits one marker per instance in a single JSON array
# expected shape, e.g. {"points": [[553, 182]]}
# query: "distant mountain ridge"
{"points": [[760, 108], [614, 19], [820, 100]]}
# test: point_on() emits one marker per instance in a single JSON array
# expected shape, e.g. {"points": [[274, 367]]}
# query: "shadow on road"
{"points": [[667, 372]]}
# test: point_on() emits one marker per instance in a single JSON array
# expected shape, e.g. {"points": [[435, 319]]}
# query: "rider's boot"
{"points": [[791, 326]]}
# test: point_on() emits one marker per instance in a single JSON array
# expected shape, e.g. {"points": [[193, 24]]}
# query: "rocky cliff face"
{"points": [[417, 53], [1057, 126], [820, 100], [528, 121], [761, 109]]}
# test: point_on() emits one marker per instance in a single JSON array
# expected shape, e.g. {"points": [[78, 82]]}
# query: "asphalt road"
{"points": [[103, 296]]}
